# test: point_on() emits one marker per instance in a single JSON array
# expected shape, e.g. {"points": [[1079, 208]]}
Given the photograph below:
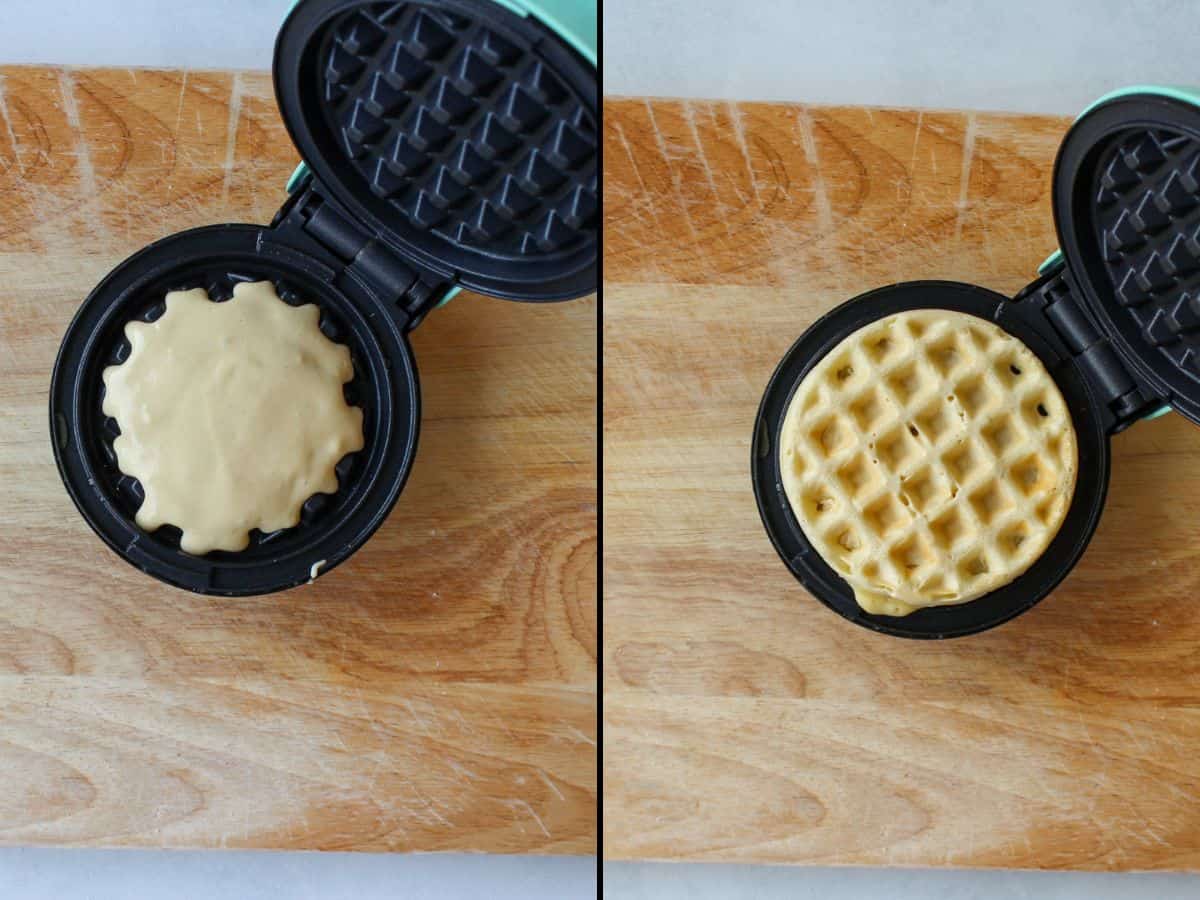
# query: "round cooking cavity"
{"points": [[463, 131], [929, 458], [1127, 211], [332, 525], [467, 133], [797, 550], [1148, 227]]}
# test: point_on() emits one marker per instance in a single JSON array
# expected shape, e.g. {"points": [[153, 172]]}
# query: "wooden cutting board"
{"points": [[435, 692], [745, 721]]}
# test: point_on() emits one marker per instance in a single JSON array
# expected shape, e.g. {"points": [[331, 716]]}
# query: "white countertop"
{"points": [[54, 874], [659, 881]]}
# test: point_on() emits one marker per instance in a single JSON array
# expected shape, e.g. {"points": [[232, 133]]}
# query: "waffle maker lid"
{"points": [[461, 133], [1126, 203]]}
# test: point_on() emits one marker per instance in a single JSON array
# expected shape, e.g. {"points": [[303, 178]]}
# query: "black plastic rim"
{"points": [[332, 526], [1127, 212], [807, 565], [465, 133]]}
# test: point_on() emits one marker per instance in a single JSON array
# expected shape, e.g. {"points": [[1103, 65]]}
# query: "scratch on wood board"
{"points": [[739, 131], [820, 194], [673, 173], [83, 156], [524, 804], [8, 126], [236, 92], [968, 154]]}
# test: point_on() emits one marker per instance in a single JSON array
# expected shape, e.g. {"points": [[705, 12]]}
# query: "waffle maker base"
{"points": [[796, 549]]}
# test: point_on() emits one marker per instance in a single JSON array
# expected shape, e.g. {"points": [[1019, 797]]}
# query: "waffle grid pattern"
{"points": [[929, 460], [466, 134], [1148, 215]]}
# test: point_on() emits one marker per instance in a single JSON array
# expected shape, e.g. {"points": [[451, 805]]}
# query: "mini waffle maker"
{"points": [[1114, 316], [447, 144]]}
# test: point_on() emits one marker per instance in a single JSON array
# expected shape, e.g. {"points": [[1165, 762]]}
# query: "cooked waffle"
{"points": [[929, 458]]}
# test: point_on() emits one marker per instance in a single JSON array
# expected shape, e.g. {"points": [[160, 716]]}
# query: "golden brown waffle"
{"points": [[929, 458]]}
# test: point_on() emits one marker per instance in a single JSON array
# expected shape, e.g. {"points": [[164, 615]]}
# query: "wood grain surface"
{"points": [[435, 692], [745, 721]]}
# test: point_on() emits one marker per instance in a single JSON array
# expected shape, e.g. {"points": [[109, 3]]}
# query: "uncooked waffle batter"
{"points": [[929, 458], [231, 414]]}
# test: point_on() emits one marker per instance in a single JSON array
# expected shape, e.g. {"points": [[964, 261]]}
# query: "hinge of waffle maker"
{"points": [[361, 255], [1054, 297]]}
